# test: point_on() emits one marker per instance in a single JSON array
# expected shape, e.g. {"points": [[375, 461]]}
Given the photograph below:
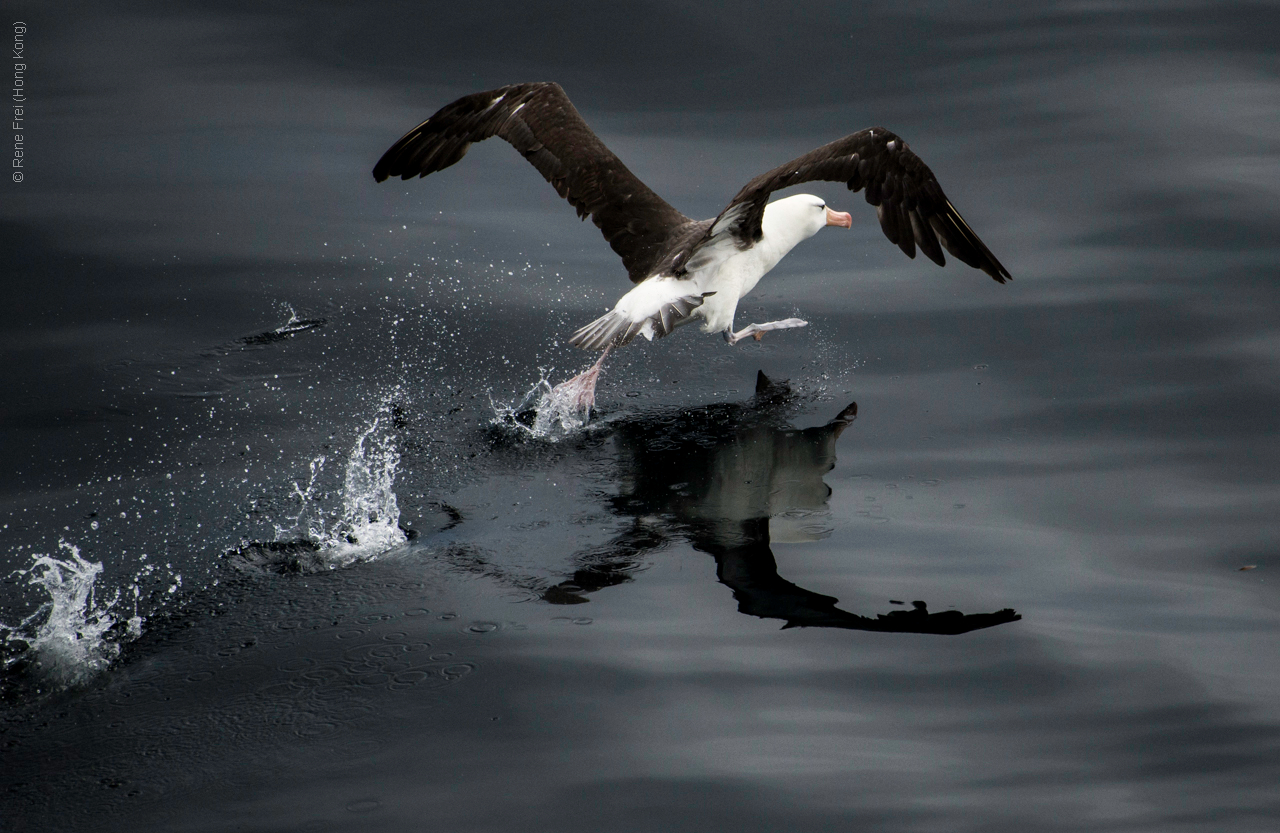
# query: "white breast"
{"points": [[718, 276], [735, 273]]}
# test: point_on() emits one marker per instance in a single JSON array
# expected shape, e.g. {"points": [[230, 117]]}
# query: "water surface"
{"points": [[968, 556]]}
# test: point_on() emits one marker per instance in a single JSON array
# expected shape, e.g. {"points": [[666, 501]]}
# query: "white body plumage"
{"points": [[718, 276]]}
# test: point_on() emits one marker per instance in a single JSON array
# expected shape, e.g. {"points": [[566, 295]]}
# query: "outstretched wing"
{"points": [[540, 122], [912, 208]]}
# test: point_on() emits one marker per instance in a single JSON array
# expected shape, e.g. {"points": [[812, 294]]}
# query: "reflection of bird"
{"points": [[719, 466], [732, 480], [691, 269]]}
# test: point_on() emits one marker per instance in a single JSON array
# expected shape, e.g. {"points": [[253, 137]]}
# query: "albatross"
{"points": [[684, 269]]}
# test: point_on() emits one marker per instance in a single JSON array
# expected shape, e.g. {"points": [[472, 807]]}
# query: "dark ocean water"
{"points": [[990, 558]]}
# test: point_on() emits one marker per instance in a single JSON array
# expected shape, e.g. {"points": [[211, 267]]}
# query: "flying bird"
{"points": [[685, 269]]}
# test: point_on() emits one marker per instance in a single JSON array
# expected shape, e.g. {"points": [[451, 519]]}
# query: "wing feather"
{"points": [[539, 121], [911, 206]]}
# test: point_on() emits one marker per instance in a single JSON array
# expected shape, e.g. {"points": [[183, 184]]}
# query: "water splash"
{"points": [[78, 637], [368, 523], [291, 327], [547, 412], [309, 523]]}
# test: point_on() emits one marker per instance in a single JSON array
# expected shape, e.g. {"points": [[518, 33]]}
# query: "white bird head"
{"points": [[801, 216]]}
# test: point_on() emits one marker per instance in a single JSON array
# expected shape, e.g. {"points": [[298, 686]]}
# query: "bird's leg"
{"points": [[758, 330], [579, 393]]}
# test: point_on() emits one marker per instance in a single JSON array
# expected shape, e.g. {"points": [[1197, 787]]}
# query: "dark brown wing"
{"points": [[912, 208], [540, 122]]}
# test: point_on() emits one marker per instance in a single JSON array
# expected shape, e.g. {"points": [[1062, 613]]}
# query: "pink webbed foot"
{"points": [[756, 331], [579, 393]]}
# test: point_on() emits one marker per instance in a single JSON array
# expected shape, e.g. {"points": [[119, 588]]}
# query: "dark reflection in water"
{"points": [[731, 478]]}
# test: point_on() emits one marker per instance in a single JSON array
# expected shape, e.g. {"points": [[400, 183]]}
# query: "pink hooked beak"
{"points": [[843, 219]]}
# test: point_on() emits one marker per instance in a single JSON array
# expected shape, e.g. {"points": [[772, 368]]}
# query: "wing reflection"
{"points": [[731, 479]]}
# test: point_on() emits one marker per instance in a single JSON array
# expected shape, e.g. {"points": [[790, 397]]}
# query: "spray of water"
{"points": [[556, 411], [77, 636], [368, 523], [73, 636], [309, 523]]}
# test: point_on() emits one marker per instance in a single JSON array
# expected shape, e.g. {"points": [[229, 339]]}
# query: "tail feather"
{"points": [[616, 328]]}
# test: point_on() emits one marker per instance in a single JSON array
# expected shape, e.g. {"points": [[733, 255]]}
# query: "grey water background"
{"points": [[587, 634]]}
